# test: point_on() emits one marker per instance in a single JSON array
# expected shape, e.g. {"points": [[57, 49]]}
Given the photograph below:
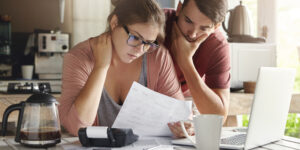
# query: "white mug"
{"points": [[27, 71], [208, 129]]}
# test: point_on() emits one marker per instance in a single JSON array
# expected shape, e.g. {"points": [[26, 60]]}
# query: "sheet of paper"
{"points": [[148, 112]]}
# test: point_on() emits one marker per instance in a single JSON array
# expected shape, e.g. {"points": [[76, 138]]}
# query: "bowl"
{"points": [[249, 86]]}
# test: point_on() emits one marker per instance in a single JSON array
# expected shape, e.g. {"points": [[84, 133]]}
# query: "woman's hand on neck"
{"points": [[102, 50]]}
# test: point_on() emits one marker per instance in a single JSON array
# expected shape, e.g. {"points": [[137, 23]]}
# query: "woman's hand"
{"points": [[102, 49], [175, 128]]}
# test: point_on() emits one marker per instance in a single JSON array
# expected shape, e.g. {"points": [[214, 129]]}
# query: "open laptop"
{"points": [[269, 110]]}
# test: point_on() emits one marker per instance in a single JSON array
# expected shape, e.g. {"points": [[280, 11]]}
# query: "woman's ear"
{"points": [[113, 22]]}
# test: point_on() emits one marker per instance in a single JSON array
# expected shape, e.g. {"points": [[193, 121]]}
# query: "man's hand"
{"points": [[181, 49], [175, 128], [103, 50]]}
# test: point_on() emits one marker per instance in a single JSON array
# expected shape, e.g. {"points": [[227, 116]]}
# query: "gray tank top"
{"points": [[108, 109]]}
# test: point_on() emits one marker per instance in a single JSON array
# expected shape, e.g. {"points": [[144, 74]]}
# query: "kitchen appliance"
{"points": [[5, 47], [240, 26], [51, 48], [29, 86], [38, 122], [106, 137], [18, 88]]}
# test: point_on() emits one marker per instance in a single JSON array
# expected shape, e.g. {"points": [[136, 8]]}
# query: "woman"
{"points": [[98, 73]]}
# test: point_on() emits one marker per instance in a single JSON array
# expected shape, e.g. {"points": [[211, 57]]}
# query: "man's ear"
{"points": [[113, 22], [179, 6]]}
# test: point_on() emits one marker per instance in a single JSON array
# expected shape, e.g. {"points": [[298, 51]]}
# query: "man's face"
{"points": [[194, 23]]}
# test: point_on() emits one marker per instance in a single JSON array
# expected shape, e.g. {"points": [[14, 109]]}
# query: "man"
{"points": [[201, 54]]}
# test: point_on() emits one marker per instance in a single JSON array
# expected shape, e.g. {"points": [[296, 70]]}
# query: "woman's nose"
{"points": [[139, 48]]}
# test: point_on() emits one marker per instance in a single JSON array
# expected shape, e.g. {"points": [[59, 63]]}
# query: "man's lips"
{"points": [[189, 39]]}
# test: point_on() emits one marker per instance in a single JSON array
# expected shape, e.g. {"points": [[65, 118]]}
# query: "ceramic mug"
{"points": [[27, 71], [208, 129]]}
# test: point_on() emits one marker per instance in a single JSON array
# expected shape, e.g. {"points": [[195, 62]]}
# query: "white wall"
{"points": [[89, 18], [168, 3], [28, 15], [267, 18]]}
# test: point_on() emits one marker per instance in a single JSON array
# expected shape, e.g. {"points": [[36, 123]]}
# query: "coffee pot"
{"points": [[38, 122], [239, 21], [240, 26]]}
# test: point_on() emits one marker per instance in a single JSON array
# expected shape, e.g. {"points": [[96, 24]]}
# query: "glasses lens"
{"points": [[136, 41], [133, 41]]}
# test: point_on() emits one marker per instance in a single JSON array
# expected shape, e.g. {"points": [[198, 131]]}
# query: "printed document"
{"points": [[147, 112]]}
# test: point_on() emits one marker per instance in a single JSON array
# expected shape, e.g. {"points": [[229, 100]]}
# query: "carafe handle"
{"points": [[8, 110]]}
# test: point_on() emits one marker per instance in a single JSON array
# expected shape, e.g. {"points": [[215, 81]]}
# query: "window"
{"points": [[286, 33], [252, 6], [288, 39]]}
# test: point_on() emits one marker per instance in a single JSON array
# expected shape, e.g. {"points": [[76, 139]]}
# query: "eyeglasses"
{"points": [[137, 41]]}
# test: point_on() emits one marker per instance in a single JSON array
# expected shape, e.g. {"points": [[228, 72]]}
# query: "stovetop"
{"points": [[29, 86]]}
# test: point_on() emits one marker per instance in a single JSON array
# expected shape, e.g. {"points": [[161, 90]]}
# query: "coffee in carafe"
{"points": [[38, 123], [45, 135]]}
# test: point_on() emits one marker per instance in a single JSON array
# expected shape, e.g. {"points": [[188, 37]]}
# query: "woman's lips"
{"points": [[132, 56]]}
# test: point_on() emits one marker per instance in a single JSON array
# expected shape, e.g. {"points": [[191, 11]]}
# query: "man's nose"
{"points": [[192, 34]]}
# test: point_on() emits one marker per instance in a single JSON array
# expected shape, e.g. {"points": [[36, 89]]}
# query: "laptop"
{"points": [[269, 110]]}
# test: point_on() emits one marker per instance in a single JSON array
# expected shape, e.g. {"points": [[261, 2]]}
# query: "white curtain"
{"points": [[89, 18]]}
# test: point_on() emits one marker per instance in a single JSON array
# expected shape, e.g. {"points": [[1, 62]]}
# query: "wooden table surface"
{"points": [[72, 143], [240, 103]]}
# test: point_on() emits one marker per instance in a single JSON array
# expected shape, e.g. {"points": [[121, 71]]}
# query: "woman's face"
{"points": [[123, 44]]}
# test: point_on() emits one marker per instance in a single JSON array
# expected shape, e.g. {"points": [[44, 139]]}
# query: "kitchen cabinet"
{"points": [[247, 58]]}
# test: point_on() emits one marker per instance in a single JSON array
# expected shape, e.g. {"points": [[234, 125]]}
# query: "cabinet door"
{"points": [[246, 59]]}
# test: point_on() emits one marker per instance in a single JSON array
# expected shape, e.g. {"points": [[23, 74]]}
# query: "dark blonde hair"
{"points": [[215, 10], [139, 11]]}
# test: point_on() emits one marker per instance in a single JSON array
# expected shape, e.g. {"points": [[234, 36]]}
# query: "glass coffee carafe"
{"points": [[38, 122]]}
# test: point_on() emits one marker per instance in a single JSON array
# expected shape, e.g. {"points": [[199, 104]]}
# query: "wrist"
{"points": [[185, 64], [101, 67]]}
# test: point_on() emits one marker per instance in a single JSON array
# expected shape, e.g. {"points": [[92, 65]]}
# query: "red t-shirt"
{"points": [[212, 58]]}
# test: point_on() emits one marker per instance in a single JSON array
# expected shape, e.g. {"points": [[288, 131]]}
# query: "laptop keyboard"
{"points": [[239, 139]]}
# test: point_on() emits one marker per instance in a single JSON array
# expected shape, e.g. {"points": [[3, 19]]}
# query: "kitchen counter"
{"points": [[240, 103]]}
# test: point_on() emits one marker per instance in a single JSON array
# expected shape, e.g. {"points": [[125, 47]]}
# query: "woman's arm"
{"points": [[88, 99], [81, 90]]}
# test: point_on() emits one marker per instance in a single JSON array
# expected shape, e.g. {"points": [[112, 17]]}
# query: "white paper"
{"points": [[148, 112], [96, 132]]}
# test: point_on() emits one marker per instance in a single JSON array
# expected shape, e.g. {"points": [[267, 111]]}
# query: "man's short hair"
{"points": [[215, 10]]}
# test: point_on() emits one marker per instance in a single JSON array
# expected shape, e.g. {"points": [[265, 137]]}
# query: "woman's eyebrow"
{"points": [[140, 36]]}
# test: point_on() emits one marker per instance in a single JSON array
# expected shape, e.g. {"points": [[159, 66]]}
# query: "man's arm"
{"points": [[207, 101], [210, 101]]}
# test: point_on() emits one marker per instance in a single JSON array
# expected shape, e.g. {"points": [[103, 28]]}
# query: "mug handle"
{"points": [[185, 132]]}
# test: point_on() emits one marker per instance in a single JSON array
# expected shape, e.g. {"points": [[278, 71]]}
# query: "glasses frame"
{"points": [[154, 44]]}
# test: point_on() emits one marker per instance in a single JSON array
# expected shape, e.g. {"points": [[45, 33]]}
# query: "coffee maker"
{"points": [[48, 59]]}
